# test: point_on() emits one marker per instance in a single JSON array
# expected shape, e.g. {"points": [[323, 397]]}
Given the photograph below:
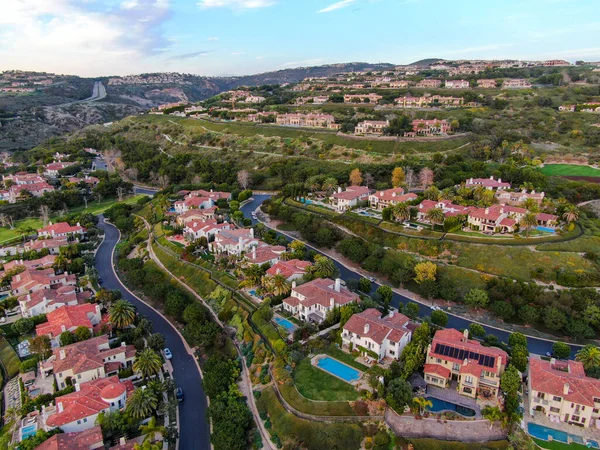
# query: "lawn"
{"points": [[569, 170], [347, 358], [300, 433], [316, 384], [9, 358], [317, 408]]}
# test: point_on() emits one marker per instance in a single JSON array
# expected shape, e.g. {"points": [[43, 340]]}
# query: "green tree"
{"points": [[66, 338], [385, 293], [122, 314], [529, 314], [323, 267], [554, 318], [476, 330], [439, 318], [401, 211], [147, 363], [571, 213], [561, 350], [436, 216], [529, 221], [422, 403], [141, 403], [519, 357], [23, 326], [493, 414], [364, 285], [510, 381], [515, 339], [82, 333], [156, 341], [589, 356], [477, 298], [412, 309], [399, 394]]}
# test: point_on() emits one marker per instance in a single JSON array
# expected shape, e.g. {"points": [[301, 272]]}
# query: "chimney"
{"points": [[254, 253], [552, 362], [338, 285], [393, 194], [487, 210], [278, 271], [78, 224], [294, 284], [391, 314], [492, 177], [62, 354], [122, 441], [366, 329], [466, 335], [123, 344], [60, 407], [566, 389], [63, 328], [339, 189], [533, 191], [332, 302], [252, 233], [471, 181], [499, 180], [381, 193]]}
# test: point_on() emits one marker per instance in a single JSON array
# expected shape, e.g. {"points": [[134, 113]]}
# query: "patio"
{"points": [[451, 395]]}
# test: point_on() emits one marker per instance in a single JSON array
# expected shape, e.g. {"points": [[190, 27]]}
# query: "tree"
{"points": [[329, 184], [426, 177], [141, 403], [23, 326], [45, 214], [571, 214], [385, 293], [492, 413], [323, 267], [515, 339], [243, 179], [278, 284], [364, 285], [561, 350], [425, 271], [510, 381], [589, 356], [156, 341], [436, 216], [147, 363], [422, 404], [529, 221], [150, 429], [519, 357], [356, 177], [439, 318], [477, 298], [41, 345], [554, 318], [412, 309], [82, 333], [476, 330], [399, 394], [122, 313], [398, 177], [66, 338], [401, 211]]}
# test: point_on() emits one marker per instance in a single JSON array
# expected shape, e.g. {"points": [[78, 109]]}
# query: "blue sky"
{"points": [[234, 37]]}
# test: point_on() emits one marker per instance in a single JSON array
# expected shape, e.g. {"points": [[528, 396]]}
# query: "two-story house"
{"points": [[487, 183], [390, 197], [69, 318], [344, 200], [60, 230], [291, 269]]}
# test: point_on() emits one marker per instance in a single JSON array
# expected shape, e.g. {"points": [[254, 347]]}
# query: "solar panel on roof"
{"points": [[459, 353]]}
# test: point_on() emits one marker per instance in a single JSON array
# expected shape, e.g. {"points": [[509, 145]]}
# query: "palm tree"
{"points": [[147, 445], [147, 362], [531, 205], [447, 194], [431, 193], [141, 403], [26, 231], [323, 267], [150, 430], [422, 403], [435, 216], [571, 214], [401, 211], [493, 414], [61, 262], [589, 356], [279, 285], [529, 221], [253, 275], [122, 313], [330, 184]]}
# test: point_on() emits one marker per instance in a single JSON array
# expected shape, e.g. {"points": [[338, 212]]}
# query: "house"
{"points": [[262, 117], [196, 215], [79, 410], [429, 84], [264, 254], [69, 318], [401, 84], [516, 83], [21, 178], [449, 209], [310, 120], [32, 280], [494, 219], [390, 197], [488, 183], [35, 189], [91, 181], [486, 83], [87, 360], [457, 84], [45, 261], [213, 195], [60, 229], [517, 198], [47, 300], [344, 200], [53, 245], [254, 99], [362, 98], [51, 170], [197, 229], [369, 332], [234, 242], [561, 390], [84, 440], [311, 301], [292, 269], [428, 101], [424, 127], [376, 127], [453, 357], [556, 62], [193, 202]]}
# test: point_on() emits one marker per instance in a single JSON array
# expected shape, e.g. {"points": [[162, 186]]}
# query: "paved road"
{"points": [[535, 345], [144, 190], [194, 429]]}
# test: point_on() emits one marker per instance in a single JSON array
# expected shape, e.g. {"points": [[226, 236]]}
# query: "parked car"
{"points": [[372, 279], [435, 308], [179, 394], [167, 353]]}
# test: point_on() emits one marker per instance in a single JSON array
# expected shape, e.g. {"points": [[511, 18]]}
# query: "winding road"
{"points": [[194, 432], [535, 345]]}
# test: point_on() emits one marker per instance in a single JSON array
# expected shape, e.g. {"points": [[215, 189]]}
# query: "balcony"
{"points": [[489, 381], [540, 401]]}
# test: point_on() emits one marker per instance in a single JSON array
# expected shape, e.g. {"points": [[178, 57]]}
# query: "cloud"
{"points": [[335, 6], [189, 55], [237, 53], [305, 63], [235, 4], [212, 39]]}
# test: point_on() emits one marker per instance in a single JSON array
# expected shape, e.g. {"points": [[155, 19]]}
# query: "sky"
{"points": [[240, 37]]}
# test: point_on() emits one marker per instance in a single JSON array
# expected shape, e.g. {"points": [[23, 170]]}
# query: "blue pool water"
{"points": [[253, 293], [285, 323], [442, 405], [28, 431], [592, 444], [172, 210], [340, 370], [546, 229], [541, 432]]}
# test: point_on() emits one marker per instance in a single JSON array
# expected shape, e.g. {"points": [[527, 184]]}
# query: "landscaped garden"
{"points": [[571, 170], [316, 384]]}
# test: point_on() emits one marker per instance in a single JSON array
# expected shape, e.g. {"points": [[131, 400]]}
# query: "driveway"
{"points": [[194, 432]]}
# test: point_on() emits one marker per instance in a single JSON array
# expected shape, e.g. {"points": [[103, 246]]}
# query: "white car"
{"points": [[435, 308], [168, 354]]}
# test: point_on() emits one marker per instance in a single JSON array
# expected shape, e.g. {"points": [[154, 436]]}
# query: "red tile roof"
{"points": [[289, 268], [83, 440], [436, 369], [60, 228], [389, 327], [68, 318], [352, 192], [321, 291]]}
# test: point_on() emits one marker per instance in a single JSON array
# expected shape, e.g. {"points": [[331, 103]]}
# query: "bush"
{"points": [[28, 365]]}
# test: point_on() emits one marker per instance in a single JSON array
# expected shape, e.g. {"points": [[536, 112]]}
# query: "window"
{"points": [[540, 395], [554, 410], [85, 420], [60, 375], [596, 411], [469, 379], [79, 376], [575, 418], [596, 400], [79, 422], [556, 398], [455, 366], [392, 352], [438, 360]]}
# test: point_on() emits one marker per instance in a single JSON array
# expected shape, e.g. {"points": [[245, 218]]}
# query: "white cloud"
{"points": [[213, 39], [235, 4], [237, 53], [305, 63], [335, 6]]}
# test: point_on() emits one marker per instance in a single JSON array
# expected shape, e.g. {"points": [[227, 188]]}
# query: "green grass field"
{"points": [[316, 384], [569, 170]]}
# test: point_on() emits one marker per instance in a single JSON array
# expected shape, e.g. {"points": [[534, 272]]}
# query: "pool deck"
{"points": [[452, 396], [361, 383]]}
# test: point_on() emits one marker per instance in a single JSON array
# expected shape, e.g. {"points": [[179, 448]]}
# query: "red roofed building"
{"points": [[53, 245], [60, 229], [264, 253], [79, 410], [449, 209], [291, 269], [504, 218], [426, 127], [52, 169], [47, 300], [390, 197], [87, 360], [196, 214], [311, 301], [386, 336], [35, 189], [69, 318], [45, 261], [24, 178], [452, 356], [32, 280], [517, 198], [234, 242], [92, 181], [562, 389], [207, 228], [488, 183], [344, 200], [85, 440]]}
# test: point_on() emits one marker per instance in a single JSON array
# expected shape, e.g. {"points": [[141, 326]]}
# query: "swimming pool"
{"points": [[285, 323], [546, 229], [254, 294], [338, 369], [541, 432], [28, 431], [438, 405]]}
